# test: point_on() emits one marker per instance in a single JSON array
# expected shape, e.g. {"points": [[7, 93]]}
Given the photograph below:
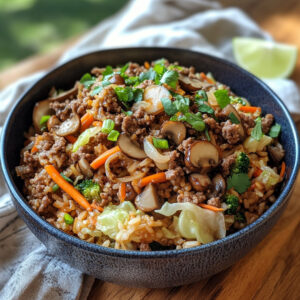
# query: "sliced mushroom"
{"points": [[117, 79], [69, 126], [175, 131], [192, 84], [276, 152], [148, 200], [202, 155], [65, 95], [41, 108], [219, 186], [152, 99], [200, 182], [227, 110], [53, 122], [85, 168], [130, 148]]}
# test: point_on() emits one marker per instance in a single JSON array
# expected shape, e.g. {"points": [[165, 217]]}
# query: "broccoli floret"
{"points": [[239, 217], [232, 202], [89, 189], [241, 163]]}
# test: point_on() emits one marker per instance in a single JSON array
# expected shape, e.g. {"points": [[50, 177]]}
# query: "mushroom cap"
{"points": [[85, 167], [219, 186], [175, 131], [130, 148], [66, 94], [148, 200], [69, 126], [202, 155], [192, 84], [200, 182]]}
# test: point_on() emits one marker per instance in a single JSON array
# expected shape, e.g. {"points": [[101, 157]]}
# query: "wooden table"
{"points": [[272, 269]]}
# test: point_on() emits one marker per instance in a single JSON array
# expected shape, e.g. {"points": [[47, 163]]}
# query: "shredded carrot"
{"points": [[135, 185], [146, 65], [95, 206], [67, 187], [250, 109], [122, 191], [210, 207], [155, 178], [99, 161], [86, 121], [206, 78], [35, 149], [71, 138], [257, 172], [97, 123], [282, 171]]}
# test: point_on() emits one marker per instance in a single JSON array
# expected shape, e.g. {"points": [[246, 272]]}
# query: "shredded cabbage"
{"points": [[112, 215], [252, 145], [84, 138], [195, 222], [268, 176]]}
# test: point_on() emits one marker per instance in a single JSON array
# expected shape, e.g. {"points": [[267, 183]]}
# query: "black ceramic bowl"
{"points": [[161, 268]]}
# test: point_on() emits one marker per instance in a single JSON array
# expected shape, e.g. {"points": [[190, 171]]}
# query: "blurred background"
{"points": [[29, 27]]}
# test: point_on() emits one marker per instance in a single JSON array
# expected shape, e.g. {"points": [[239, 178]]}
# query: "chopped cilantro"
{"points": [[275, 130], [128, 94], [204, 108], [195, 121], [256, 132], [159, 69], [149, 75], [233, 118], [201, 95], [123, 70], [169, 106], [175, 67], [160, 61], [96, 90], [207, 135], [108, 70], [87, 80], [132, 80], [222, 97], [170, 78], [181, 103], [240, 182]]}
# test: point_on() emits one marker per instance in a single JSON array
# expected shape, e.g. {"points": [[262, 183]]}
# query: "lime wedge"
{"points": [[265, 59]]}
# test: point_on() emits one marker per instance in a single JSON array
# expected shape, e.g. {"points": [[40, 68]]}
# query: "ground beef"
{"points": [[230, 132], [62, 109], [266, 123], [129, 125], [173, 174], [214, 201], [247, 120], [185, 145], [226, 164], [212, 124], [134, 69], [250, 217], [145, 84], [110, 101], [79, 106], [174, 159], [190, 196]]}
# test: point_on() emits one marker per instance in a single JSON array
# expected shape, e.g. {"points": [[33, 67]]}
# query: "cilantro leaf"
{"points": [[275, 130], [240, 182], [169, 106], [96, 90], [128, 94], [233, 118], [132, 80], [256, 132], [159, 69], [149, 75], [87, 80], [222, 97], [108, 70], [170, 78], [175, 67], [201, 96], [138, 95], [195, 121], [123, 70], [160, 61], [204, 108], [181, 103]]}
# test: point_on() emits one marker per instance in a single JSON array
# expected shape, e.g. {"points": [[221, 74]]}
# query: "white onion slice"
{"points": [[153, 153]]}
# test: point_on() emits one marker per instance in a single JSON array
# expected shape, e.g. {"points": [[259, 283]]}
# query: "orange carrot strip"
{"points": [[99, 161], [122, 191], [146, 65], [250, 109], [67, 187], [86, 121], [206, 78], [95, 206], [97, 123], [282, 171], [155, 178], [210, 207], [71, 138], [257, 172], [135, 185], [35, 149]]}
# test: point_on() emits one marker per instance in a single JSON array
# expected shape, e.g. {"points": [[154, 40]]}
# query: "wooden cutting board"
{"points": [[272, 269]]}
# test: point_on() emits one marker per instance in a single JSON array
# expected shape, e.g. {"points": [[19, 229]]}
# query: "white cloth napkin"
{"points": [[27, 270]]}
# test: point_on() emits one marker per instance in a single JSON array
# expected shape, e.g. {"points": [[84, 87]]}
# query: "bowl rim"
{"points": [[98, 249]]}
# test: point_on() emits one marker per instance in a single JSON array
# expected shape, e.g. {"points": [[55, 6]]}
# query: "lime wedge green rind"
{"points": [[265, 59]]}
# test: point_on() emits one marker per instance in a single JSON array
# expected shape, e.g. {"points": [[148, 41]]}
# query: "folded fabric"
{"points": [[28, 271]]}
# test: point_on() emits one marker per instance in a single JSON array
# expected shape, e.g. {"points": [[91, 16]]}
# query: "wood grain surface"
{"points": [[272, 269]]}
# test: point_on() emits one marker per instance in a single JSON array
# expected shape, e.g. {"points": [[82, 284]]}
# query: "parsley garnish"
{"points": [[87, 80], [240, 182], [222, 97], [233, 118], [275, 130], [256, 132], [170, 78]]}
